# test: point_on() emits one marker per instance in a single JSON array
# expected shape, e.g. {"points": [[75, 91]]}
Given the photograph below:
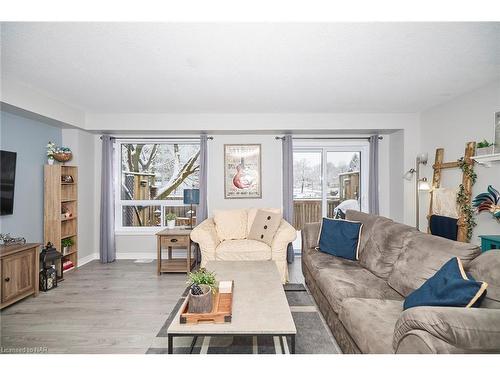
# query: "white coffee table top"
{"points": [[259, 302]]}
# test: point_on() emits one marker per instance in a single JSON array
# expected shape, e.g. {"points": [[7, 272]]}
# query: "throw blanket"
{"points": [[444, 226], [444, 202]]}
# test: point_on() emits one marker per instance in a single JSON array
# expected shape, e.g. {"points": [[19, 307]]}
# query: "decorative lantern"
{"points": [[48, 279], [50, 258]]}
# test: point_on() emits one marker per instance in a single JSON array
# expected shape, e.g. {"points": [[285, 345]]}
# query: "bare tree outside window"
{"points": [[156, 172]]}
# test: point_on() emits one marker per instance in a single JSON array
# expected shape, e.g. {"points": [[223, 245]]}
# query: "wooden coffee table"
{"points": [[260, 307]]}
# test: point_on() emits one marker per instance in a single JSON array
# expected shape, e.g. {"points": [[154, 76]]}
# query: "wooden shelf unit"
{"points": [[57, 194]]}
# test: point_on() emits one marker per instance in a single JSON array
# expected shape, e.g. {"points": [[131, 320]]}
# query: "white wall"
{"points": [[249, 122], [82, 144], [271, 172], [395, 184], [466, 118]]}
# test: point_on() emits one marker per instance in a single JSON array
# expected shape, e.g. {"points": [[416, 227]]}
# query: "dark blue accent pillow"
{"points": [[450, 286], [340, 238]]}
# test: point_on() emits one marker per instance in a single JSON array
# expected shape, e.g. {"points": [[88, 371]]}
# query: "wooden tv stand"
{"points": [[19, 268]]}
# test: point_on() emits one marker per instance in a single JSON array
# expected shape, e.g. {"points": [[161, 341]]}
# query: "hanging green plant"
{"points": [[468, 169], [463, 200], [466, 210]]}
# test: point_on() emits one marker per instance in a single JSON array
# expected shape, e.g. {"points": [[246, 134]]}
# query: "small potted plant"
{"points": [[203, 286], [51, 149], [66, 244], [170, 217], [484, 148]]}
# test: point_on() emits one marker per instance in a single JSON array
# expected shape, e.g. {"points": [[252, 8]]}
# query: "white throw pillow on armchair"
{"points": [[252, 212], [265, 226]]}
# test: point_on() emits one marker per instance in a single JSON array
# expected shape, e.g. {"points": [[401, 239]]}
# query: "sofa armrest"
{"points": [[205, 235], [284, 235], [310, 235], [467, 330]]}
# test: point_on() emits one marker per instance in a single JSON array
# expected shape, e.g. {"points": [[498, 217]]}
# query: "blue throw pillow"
{"points": [[450, 286], [340, 238]]}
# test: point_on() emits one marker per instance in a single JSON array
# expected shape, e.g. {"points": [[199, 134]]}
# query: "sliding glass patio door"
{"points": [[326, 177]]}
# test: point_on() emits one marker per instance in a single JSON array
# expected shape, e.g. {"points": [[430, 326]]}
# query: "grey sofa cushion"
{"points": [[467, 329], [423, 256], [368, 222], [486, 267], [310, 235], [316, 260], [384, 245], [341, 281], [370, 322]]}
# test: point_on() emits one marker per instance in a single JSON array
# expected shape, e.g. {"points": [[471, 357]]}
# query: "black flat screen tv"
{"points": [[7, 181]]}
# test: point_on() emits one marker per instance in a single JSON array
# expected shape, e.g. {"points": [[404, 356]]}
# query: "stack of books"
{"points": [[67, 265]]}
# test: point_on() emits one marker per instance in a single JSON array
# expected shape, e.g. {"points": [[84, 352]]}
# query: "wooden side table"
{"points": [[489, 242], [174, 238]]}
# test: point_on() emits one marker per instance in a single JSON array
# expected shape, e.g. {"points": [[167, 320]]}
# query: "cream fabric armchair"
{"points": [[224, 237]]}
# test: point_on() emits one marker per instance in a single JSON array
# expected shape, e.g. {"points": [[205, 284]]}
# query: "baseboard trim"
{"points": [[87, 259], [148, 255], [123, 256]]}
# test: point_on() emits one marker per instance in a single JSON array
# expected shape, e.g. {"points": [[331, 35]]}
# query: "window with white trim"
{"points": [[150, 180]]}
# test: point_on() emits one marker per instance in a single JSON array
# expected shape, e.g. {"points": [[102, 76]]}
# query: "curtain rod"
{"points": [[339, 138], [153, 138]]}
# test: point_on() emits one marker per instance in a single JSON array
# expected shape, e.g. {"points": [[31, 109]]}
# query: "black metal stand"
{"points": [[170, 338]]}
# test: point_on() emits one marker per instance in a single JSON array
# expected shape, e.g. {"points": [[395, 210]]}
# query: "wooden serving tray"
{"points": [[222, 309]]}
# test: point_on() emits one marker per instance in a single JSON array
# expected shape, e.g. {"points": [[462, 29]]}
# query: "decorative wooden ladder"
{"points": [[438, 166]]}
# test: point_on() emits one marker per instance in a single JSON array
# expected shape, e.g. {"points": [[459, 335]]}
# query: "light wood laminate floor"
{"points": [[99, 308]]}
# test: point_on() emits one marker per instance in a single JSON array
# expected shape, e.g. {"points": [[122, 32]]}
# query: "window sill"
{"points": [[135, 232]]}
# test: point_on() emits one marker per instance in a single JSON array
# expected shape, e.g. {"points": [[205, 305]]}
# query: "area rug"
{"points": [[313, 335]]}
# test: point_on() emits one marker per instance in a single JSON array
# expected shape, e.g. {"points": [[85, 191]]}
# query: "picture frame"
{"points": [[497, 133], [242, 171]]}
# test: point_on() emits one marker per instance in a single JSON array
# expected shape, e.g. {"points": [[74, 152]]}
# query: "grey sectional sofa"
{"points": [[362, 301]]}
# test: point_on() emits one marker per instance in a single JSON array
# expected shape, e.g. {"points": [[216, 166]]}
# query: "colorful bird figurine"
{"points": [[489, 201]]}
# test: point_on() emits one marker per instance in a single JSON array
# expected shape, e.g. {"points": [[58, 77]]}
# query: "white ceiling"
{"points": [[197, 68]]}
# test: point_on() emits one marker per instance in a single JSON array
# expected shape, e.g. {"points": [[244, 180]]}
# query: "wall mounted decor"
{"points": [[489, 201], [242, 171]]}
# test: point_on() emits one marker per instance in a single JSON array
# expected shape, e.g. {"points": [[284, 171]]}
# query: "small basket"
{"points": [[63, 157]]}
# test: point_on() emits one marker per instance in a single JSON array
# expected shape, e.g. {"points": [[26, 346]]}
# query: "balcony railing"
{"points": [[309, 211]]}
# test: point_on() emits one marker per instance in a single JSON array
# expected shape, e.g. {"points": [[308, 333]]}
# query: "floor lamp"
{"points": [[191, 196], [421, 184]]}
